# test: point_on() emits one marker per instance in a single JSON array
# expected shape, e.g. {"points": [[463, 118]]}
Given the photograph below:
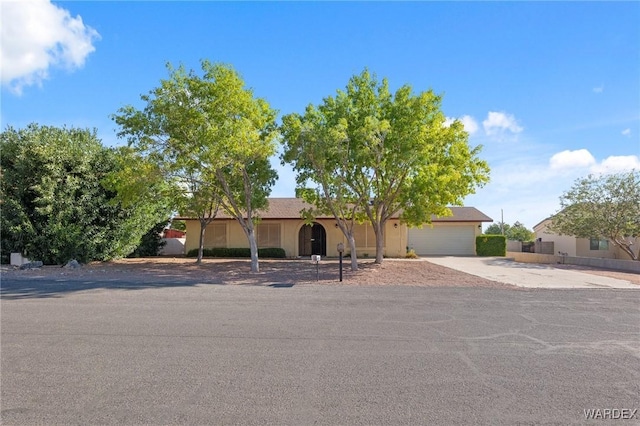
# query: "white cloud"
{"points": [[469, 123], [571, 160], [582, 159], [527, 187], [36, 36], [523, 189], [498, 123], [626, 132], [616, 164], [598, 89]]}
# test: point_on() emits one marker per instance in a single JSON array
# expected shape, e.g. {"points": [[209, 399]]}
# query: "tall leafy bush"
{"points": [[491, 245], [56, 205]]}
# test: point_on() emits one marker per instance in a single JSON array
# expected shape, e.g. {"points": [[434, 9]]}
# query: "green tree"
{"points": [[151, 243], [179, 225], [202, 200], [384, 153], [314, 146], [517, 232], [605, 207], [497, 228], [57, 204], [139, 186], [212, 138]]}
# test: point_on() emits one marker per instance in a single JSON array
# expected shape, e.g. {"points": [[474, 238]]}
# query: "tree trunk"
{"points": [[626, 248], [379, 231], [203, 227], [255, 267], [354, 255]]}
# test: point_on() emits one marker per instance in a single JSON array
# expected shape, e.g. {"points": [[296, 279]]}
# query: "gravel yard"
{"points": [[237, 272]]}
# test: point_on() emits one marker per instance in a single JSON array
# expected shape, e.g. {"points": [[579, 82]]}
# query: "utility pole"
{"points": [[502, 221]]}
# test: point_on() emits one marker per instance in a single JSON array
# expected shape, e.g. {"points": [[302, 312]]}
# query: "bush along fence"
{"points": [[491, 245], [265, 253]]}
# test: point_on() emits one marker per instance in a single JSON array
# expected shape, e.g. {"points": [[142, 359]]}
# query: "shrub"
{"points": [[411, 254], [272, 252], [151, 242], [491, 245], [269, 252]]}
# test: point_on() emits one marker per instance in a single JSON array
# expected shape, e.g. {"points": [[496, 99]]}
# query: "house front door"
{"points": [[312, 239]]}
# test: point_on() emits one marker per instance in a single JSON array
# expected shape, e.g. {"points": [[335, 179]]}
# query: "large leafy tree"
{"points": [[383, 153], [314, 145], [606, 207], [202, 200], [57, 200], [212, 138]]}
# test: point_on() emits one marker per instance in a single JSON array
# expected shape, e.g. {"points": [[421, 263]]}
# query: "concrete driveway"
{"points": [[529, 275]]}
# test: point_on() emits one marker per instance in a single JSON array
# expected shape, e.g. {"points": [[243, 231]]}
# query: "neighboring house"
{"points": [[579, 247], [173, 233], [172, 247], [281, 226]]}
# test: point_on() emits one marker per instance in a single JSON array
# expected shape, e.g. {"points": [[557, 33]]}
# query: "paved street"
{"points": [[109, 353]]}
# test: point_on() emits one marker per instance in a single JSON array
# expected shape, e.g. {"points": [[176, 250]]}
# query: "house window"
{"points": [[268, 235], [216, 235], [598, 244]]}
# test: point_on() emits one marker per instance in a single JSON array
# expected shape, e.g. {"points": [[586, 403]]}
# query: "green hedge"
{"points": [[270, 252], [491, 245]]}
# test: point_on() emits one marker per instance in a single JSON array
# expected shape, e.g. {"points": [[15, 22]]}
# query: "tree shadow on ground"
{"points": [[45, 287], [519, 265], [52, 281]]}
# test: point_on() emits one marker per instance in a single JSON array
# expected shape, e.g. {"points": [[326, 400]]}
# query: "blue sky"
{"points": [[551, 90]]}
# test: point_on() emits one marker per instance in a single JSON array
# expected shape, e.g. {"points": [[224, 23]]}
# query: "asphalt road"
{"points": [[112, 353]]}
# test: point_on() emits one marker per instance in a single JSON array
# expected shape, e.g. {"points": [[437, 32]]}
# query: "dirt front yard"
{"points": [[277, 272], [272, 272]]}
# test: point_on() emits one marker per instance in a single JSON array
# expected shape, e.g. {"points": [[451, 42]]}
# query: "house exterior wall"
{"points": [[396, 238], [583, 249], [561, 243], [578, 247]]}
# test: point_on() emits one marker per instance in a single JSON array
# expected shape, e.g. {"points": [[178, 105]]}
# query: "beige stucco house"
{"points": [[580, 247], [281, 226]]}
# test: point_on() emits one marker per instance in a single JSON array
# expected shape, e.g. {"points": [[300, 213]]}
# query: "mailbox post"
{"points": [[340, 251], [316, 258]]}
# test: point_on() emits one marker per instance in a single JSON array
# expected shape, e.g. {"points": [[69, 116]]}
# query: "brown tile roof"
{"points": [[463, 214], [289, 208]]}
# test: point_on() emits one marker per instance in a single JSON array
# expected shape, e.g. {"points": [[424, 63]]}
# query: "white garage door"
{"points": [[443, 240]]}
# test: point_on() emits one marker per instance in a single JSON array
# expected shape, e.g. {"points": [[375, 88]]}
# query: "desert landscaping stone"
{"points": [[31, 265], [73, 264]]}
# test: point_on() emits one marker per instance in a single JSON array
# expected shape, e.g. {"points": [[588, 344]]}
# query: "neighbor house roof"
{"points": [[542, 222], [463, 214], [290, 208]]}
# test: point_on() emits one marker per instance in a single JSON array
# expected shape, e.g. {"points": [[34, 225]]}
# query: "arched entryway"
{"points": [[312, 239]]}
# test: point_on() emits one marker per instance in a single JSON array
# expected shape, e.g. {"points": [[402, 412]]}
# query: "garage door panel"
{"points": [[443, 240]]}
